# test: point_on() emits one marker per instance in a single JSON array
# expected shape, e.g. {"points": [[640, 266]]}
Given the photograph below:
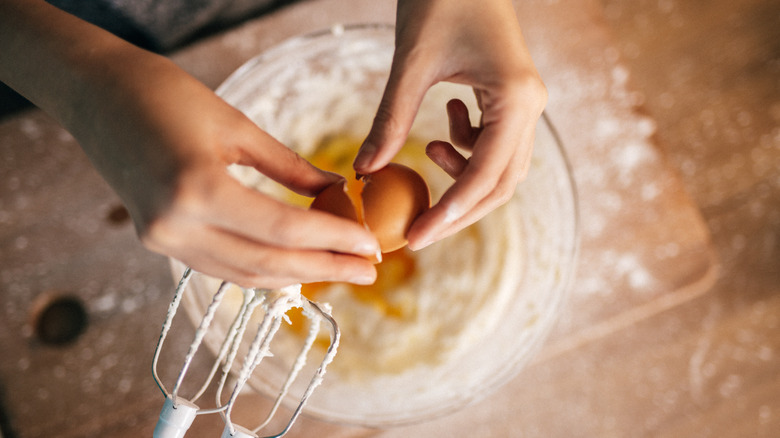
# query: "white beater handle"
{"points": [[238, 432], [175, 420]]}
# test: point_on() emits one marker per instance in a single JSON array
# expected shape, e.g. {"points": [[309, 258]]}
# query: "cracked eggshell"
{"points": [[391, 197], [334, 200]]}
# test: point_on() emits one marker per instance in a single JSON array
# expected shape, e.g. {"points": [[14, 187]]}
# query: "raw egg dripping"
{"points": [[386, 202], [335, 154]]}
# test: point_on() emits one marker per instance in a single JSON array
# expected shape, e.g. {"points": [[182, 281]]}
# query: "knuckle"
{"points": [[271, 268], [522, 174], [297, 162], [263, 264], [305, 178], [160, 226], [286, 231], [192, 196], [502, 197], [530, 86], [342, 267], [503, 192], [158, 234], [345, 268], [386, 119]]}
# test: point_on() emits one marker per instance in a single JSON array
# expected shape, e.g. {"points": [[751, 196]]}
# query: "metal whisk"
{"points": [[178, 413]]}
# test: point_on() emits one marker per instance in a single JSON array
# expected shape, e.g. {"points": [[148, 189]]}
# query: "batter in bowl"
{"points": [[427, 304], [443, 325]]}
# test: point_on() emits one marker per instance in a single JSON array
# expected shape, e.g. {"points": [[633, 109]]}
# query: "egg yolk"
{"points": [[394, 270]]}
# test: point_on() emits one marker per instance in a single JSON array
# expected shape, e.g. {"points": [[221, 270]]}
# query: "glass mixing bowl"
{"points": [[457, 319]]}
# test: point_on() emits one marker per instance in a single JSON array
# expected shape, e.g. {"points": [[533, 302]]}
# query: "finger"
{"points": [[246, 212], [494, 164], [214, 267], [278, 162], [501, 194], [462, 133], [403, 94], [255, 264], [446, 157]]}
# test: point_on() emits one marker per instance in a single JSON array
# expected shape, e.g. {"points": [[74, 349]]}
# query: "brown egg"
{"points": [[393, 197], [387, 202], [334, 200]]}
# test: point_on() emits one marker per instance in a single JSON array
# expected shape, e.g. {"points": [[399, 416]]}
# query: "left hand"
{"points": [[478, 44]]}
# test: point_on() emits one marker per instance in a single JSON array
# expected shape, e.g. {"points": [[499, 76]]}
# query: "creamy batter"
{"points": [[428, 305]]}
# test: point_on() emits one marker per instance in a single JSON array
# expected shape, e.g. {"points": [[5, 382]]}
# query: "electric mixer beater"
{"points": [[179, 412]]}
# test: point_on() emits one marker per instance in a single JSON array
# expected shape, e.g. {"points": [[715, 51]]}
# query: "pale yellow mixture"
{"points": [[426, 306]]}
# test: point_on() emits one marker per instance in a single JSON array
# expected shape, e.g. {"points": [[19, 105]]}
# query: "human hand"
{"points": [[163, 141], [478, 44]]}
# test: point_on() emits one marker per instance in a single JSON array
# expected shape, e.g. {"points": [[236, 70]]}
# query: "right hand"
{"points": [[476, 43]]}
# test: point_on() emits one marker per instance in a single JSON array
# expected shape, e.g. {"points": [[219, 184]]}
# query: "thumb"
{"points": [[404, 91]]}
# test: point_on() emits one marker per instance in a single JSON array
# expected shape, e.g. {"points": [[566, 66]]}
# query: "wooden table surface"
{"points": [[679, 337], [709, 74]]}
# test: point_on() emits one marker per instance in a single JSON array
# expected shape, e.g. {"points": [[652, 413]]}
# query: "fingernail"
{"points": [[422, 245], [333, 176], [362, 279], [364, 156], [453, 213], [422, 242]]}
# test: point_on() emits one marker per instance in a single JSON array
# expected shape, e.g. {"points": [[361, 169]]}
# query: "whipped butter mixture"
{"points": [[427, 306]]}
